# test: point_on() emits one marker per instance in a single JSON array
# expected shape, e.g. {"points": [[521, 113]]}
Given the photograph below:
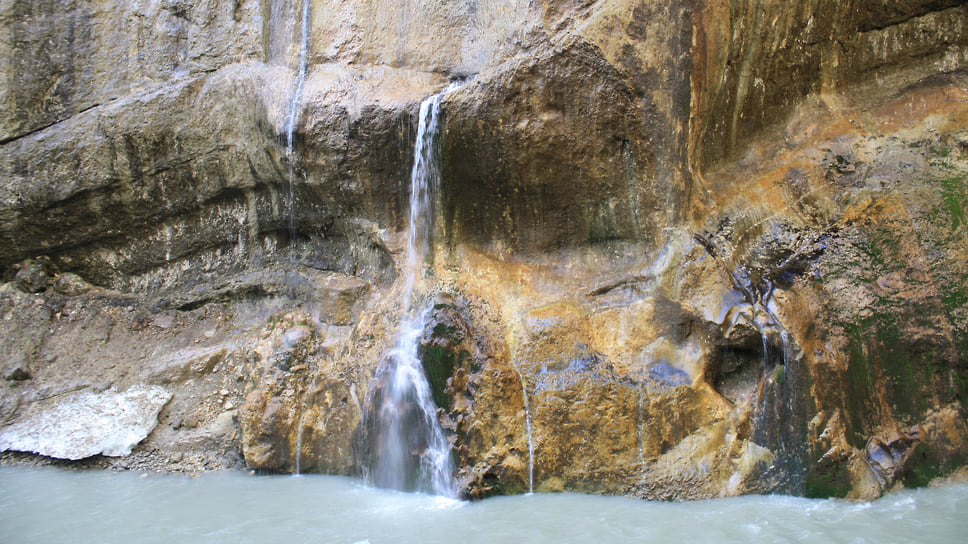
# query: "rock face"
{"points": [[683, 249]]}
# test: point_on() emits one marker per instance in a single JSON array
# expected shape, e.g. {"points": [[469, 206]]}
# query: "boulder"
{"points": [[82, 425]]}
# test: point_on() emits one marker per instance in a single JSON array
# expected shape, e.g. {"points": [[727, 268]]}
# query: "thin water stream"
{"points": [[291, 159], [527, 427], [293, 116], [55, 505], [299, 440]]}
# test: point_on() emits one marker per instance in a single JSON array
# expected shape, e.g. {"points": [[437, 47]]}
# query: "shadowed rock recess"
{"points": [[682, 249]]}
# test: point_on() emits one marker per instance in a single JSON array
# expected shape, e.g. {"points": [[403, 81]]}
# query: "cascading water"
{"points": [[782, 400], [410, 451], [291, 124], [779, 414]]}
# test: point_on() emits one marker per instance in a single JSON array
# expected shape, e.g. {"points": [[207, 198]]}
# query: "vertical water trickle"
{"points": [[639, 433], [782, 400], [299, 440], [410, 451], [527, 426], [290, 158], [424, 181], [291, 124]]}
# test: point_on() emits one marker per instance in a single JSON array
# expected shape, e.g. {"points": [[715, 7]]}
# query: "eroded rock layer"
{"points": [[683, 249]]}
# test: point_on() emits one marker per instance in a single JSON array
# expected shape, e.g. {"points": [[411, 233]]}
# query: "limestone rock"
{"points": [[71, 57], [339, 297], [298, 414], [267, 428], [86, 424], [189, 363], [514, 186]]}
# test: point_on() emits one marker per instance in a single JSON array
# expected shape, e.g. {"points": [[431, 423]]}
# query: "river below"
{"points": [[56, 505]]}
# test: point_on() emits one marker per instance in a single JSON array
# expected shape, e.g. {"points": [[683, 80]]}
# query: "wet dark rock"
{"points": [[338, 296], [514, 186], [447, 352], [34, 275], [17, 370]]}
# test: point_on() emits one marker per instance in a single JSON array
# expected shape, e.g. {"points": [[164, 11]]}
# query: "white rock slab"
{"points": [[84, 424]]}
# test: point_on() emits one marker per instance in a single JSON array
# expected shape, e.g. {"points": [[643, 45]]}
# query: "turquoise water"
{"points": [[55, 505]]}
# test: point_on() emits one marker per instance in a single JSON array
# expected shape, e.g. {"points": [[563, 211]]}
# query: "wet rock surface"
{"points": [[683, 249]]}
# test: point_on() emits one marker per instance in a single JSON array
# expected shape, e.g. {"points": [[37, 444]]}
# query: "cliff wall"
{"points": [[683, 249]]}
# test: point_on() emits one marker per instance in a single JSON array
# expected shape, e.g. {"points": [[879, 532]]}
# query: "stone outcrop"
{"points": [[684, 249]]}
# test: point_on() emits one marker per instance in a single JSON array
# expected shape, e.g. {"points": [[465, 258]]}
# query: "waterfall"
{"points": [[424, 181], [410, 451], [291, 125]]}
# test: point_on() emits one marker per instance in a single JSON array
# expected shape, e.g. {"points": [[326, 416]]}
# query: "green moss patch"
{"points": [[828, 480]]}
